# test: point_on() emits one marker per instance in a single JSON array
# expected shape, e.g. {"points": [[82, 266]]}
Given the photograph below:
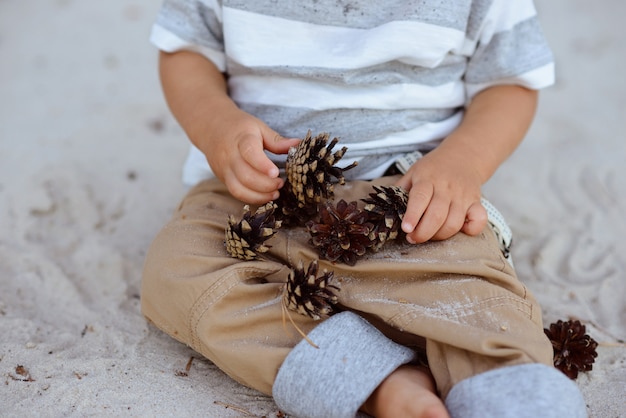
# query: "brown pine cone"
{"points": [[246, 239], [342, 232], [386, 209], [288, 210], [574, 350], [311, 167], [308, 294]]}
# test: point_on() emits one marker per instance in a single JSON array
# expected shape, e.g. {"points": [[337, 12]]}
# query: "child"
{"points": [[456, 81]]}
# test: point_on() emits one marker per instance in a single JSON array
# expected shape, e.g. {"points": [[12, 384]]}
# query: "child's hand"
{"points": [[236, 156], [444, 186], [444, 198], [232, 140]]}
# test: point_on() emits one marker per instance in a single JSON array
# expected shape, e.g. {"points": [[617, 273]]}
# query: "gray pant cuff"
{"points": [[524, 391], [334, 380]]}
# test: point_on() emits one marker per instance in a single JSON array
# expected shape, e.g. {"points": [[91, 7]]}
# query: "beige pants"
{"points": [[458, 299]]}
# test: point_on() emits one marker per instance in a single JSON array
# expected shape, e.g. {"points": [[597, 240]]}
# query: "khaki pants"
{"points": [[458, 299]]}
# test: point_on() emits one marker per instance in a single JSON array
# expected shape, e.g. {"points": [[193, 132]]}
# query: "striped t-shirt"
{"points": [[386, 77]]}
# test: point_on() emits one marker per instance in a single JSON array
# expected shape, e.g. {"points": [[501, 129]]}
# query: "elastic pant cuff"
{"points": [[335, 379], [524, 391]]}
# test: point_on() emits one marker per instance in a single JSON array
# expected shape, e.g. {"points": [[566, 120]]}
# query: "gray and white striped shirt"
{"points": [[386, 77]]}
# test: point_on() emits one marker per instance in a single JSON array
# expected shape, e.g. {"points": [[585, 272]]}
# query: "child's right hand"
{"points": [[232, 140], [235, 152]]}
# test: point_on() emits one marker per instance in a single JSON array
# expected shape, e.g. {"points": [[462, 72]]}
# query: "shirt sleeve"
{"points": [[191, 25], [510, 49]]}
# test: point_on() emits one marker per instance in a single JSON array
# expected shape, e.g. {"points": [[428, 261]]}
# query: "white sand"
{"points": [[89, 171]]}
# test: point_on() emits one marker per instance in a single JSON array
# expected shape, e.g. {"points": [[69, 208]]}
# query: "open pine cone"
{"points": [[308, 294], [288, 210], [245, 239], [574, 350], [342, 232], [386, 209], [311, 166]]}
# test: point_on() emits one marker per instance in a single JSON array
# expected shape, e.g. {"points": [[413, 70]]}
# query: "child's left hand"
{"points": [[444, 197]]}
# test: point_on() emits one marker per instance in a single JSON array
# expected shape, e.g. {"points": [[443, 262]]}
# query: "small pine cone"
{"points": [[386, 209], [574, 350], [342, 232], [246, 239], [308, 294], [311, 166], [288, 210]]}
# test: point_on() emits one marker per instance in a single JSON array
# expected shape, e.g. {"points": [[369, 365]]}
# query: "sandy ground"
{"points": [[89, 171]]}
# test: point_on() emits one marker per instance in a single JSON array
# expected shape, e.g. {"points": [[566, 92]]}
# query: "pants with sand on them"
{"points": [[458, 300]]}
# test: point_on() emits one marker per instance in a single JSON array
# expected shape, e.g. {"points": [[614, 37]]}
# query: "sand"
{"points": [[89, 171]]}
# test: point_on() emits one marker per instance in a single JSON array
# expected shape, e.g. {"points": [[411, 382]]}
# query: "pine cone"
{"points": [[386, 209], [310, 169], [288, 210], [574, 351], [308, 294], [246, 239], [342, 232]]}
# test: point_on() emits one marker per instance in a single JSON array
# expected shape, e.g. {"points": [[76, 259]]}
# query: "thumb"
{"points": [[276, 143], [405, 182]]}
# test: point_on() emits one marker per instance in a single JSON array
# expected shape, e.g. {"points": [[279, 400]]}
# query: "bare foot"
{"points": [[407, 392]]}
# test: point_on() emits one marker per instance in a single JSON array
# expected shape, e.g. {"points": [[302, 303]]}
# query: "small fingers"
{"points": [[475, 219], [278, 144], [453, 223], [251, 150], [419, 199], [434, 216], [250, 185], [432, 221], [247, 194]]}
